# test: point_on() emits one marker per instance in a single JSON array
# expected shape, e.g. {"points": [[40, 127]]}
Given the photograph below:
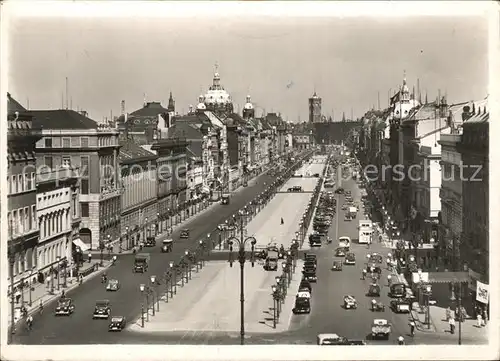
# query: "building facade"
{"points": [[70, 139], [22, 222], [451, 200], [474, 246], [58, 214], [171, 175], [139, 199]]}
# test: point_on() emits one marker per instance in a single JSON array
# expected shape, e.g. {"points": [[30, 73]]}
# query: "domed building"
{"points": [[248, 109], [217, 99]]}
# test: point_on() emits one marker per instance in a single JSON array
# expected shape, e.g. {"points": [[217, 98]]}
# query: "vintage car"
{"points": [[117, 323], [113, 285], [337, 266], [347, 217], [345, 242], [184, 233], [350, 302], [339, 190], [167, 245], [65, 307], [332, 339], [401, 305], [310, 264], [150, 241], [295, 189], [309, 274], [302, 302], [305, 284], [380, 329], [374, 290], [376, 258], [350, 259], [102, 309], [397, 290], [340, 252]]}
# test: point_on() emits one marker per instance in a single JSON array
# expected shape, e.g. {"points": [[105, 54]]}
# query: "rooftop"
{"points": [[61, 119], [151, 109], [131, 152], [13, 105]]}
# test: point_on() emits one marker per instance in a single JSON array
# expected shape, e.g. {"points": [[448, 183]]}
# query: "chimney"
{"points": [[84, 113], [123, 107]]}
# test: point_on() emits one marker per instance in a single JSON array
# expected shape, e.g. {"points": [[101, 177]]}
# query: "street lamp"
{"points": [[428, 292], [202, 251], [58, 258], [126, 235], [157, 230], [109, 246], [142, 287], [65, 267], [188, 265], [174, 279], [30, 283], [101, 248], [242, 242], [275, 302], [153, 291]]}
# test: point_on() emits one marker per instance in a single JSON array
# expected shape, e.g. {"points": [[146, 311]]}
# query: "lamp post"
{"points": [[30, 283], [127, 238], [101, 248], [109, 247], [157, 228], [428, 292], [154, 290], [275, 302], [173, 285], [278, 286], [58, 258], [188, 265], [146, 228], [142, 287], [65, 267], [168, 286], [51, 272], [242, 242], [202, 252]]}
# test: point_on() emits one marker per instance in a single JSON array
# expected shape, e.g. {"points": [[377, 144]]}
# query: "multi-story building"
{"points": [[22, 223], [302, 141], [71, 139], [139, 199], [58, 214], [315, 109], [171, 175], [474, 246]]}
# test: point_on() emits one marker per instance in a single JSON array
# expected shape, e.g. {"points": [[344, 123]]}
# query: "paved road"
{"points": [[81, 329]]}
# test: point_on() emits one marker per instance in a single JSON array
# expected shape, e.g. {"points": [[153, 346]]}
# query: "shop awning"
{"points": [[79, 243], [447, 277]]}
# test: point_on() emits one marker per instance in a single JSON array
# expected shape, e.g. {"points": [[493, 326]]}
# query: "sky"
{"points": [[280, 62]]}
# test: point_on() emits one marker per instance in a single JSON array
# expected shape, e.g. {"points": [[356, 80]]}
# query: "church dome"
{"points": [[216, 94], [248, 104]]}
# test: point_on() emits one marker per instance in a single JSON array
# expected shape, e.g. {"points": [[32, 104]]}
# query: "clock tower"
{"points": [[315, 109]]}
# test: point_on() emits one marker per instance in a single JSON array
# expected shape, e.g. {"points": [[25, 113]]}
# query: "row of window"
{"points": [[138, 189], [23, 182], [47, 255], [55, 224], [21, 221], [66, 161], [67, 142]]}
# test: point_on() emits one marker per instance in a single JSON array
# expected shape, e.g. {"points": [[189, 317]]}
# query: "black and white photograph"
{"points": [[248, 180]]}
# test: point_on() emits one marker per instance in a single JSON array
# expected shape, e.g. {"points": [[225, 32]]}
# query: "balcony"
{"points": [[56, 175], [108, 192]]}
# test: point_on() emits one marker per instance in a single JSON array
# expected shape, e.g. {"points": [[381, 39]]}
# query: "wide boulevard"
{"points": [[80, 328]]}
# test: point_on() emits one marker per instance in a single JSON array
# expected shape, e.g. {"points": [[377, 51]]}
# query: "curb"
{"points": [[35, 310]]}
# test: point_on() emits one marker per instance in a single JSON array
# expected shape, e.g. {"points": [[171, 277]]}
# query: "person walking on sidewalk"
{"points": [[412, 328], [452, 325], [90, 257], [41, 307], [479, 320]]}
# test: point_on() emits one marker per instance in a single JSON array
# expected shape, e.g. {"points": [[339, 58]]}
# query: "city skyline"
{"points": [[280, 75]]}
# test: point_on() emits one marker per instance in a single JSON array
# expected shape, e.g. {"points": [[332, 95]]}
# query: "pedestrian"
{"points": [[451, 322], [41, 307], [401, 340], [90, 257], [479, 320], [412, 328], [485, 317], [363, 274], [29, 322]]}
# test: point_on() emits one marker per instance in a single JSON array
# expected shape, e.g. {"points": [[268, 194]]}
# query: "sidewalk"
{"points": [[42, 292]]}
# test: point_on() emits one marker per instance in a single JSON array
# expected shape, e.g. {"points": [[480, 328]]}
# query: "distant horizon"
{"points": [[352, 63]]}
